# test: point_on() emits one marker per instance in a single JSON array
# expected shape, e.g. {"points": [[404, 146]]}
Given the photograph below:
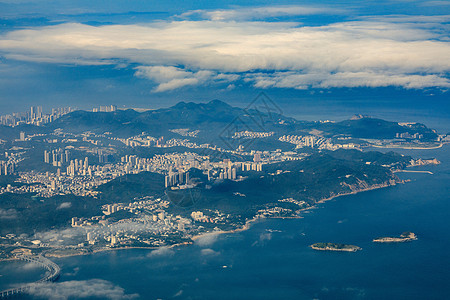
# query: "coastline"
{"points": [[353, 249], [408, 147], [245, 227], [413, 171], [373, 187]]}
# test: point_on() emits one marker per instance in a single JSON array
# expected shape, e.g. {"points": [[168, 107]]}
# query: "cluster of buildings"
{"points": [[60, 157], [301, 141], [57, 157], [151, 226], [185, 132], [315, 142], [80, 167], [251, 134], [8, 165], [407, 135], [199, 216], [78, 177], [50, 184], [105, 108], [176, 178], [34, 116]]}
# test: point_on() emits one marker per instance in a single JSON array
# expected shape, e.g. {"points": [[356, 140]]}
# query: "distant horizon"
{"points": [[295, 110]]}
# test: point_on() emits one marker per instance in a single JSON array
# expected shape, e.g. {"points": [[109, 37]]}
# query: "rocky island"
{"points": [[404, 237], [335, 247]]}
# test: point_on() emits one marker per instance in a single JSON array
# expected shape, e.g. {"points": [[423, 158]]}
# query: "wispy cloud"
{"points": [[94, 288], [64, 205], [372, 52], [209, 252], [263, 239], [207, 240], [261, 13], [170, 78], [161, 252], [8, 214]]}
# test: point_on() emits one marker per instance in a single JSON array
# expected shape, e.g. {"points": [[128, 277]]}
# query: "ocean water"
{"points": [[272, 259]]}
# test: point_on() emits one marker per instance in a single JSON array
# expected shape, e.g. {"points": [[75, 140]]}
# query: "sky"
{"points": [[313, 57]]}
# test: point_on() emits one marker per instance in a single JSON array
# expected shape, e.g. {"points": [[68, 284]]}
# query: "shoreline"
{"points": [[371, 188], [413, 171], [356, 248], [245, 227], [408, 147]]}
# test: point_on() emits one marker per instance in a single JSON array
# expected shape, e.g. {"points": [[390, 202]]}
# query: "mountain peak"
{"points": [[359, 116], [213, 104], [218, 103]]}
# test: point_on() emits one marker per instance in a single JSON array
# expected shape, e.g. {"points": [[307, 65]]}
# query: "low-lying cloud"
{"points": [[65, 205], [161, 252], [8, 214], [206, 240], [86, 289], [209, 252]]}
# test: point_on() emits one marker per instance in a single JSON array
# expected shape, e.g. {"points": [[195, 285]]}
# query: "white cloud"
{"points": [[8, 214], [170, 78], [94, 288], [206, 239], [394, 50], [263, 239], [346, 79], [161, 252], [209, 252], [258, 13], [65, 205]]}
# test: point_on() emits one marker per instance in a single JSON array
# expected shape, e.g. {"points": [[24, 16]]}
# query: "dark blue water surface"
{"points": [[272, 260]]}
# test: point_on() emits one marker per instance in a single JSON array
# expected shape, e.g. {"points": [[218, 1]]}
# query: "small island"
{"points": [[404, 237], [334, 247]]}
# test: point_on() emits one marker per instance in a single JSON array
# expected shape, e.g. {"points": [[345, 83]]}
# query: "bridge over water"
{"points": [[53, 274]]}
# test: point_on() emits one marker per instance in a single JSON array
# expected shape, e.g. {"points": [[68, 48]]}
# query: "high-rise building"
{"points": [[39, 112], [167, 181], [233, 174], [32, 112], [46, 156]]}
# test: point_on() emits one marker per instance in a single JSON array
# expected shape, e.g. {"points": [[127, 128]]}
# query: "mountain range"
{"points": [[213, 119]]}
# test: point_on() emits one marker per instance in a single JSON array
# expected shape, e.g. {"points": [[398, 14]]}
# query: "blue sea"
{"points": [[272, 259]]}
